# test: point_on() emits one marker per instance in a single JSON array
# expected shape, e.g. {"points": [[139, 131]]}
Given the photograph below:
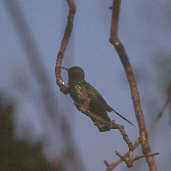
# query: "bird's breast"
{"points": [[79, 94]]}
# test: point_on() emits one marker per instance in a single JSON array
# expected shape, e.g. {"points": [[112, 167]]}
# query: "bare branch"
{"points": [[139, 157], [111, 125], [129, 162], [143, 139], [132, 82], [110, 167], [64, 43]]}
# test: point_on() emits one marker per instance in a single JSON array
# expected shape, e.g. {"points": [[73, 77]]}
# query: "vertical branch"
{"points": [[132, 83], [64, 43]]}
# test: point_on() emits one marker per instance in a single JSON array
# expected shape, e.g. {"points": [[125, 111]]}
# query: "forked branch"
{"points": [[114, 39]]}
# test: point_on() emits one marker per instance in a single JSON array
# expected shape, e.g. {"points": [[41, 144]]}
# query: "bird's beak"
{"points": [[66, 69]]}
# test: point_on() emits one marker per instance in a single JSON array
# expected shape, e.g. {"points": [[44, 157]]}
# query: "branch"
{"points": [[111, 125], [132, 82], [160, 114], [64, 43], [110, 167], [128, 157], [139, 157]]}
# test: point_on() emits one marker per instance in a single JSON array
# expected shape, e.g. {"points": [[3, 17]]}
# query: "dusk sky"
{"points": [[144, 31]]}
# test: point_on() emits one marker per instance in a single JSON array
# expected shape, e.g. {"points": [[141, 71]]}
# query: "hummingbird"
{"points": [[84, 93]]}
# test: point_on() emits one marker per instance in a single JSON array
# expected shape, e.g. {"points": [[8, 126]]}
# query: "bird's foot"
{"points": [[99, 125]]}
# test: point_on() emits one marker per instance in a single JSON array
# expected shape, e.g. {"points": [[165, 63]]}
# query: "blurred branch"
{"points": [[47, 94], [114, 39], [64, 43], [33, 56], [163, 109], [160, 114], [28, 157]]}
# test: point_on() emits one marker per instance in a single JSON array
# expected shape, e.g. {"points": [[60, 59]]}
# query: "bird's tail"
{"points": [[122, 117]]}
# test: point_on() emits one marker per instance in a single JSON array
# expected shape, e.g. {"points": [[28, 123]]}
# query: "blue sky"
{"points": [[144, 31]]}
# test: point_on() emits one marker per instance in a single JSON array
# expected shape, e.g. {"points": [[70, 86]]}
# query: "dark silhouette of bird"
{"points": [[83, 93]]}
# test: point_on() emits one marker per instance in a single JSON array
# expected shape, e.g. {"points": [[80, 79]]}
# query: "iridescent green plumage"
{"points": [[83, 92], [86, 95]]}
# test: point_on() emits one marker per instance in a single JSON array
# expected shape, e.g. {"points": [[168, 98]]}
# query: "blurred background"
{"points": [[40, 127]]}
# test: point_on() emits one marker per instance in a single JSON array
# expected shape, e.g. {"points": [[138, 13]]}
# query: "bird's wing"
{"points": [[97, 103], [101, 103], [96, 96]]}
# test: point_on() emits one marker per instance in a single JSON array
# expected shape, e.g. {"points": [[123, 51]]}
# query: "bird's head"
{"points": [[75, 74]]}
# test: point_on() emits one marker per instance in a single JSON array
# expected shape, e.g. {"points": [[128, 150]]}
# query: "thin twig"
{"points": [[64, 43], [132, 82], [163, 109], [110, 167], [129, 161], [143, 156], [110, 125], [160, 114]]}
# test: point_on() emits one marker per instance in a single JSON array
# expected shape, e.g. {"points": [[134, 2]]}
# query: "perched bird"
{"points": [[83, 93]]}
